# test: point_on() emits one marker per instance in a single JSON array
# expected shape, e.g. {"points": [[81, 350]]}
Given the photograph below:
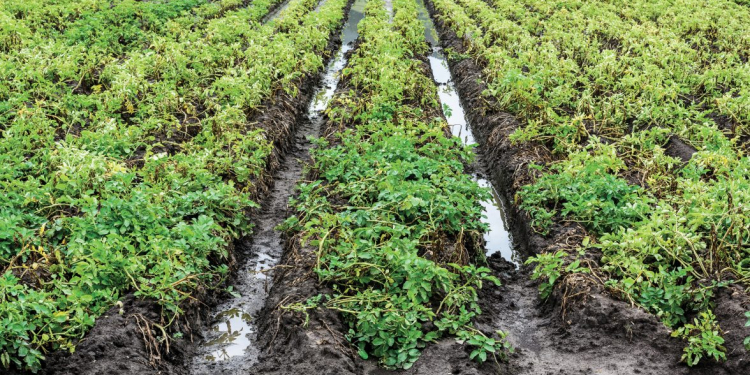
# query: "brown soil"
{"points": [[731, 305], [677, 148], [292, 343]]}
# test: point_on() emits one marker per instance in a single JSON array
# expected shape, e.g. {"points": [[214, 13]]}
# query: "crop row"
{"points": [[603, 68], [82, 223], [609, 86], [393, 219], [56, 69], [121, 25], [101, 23]]}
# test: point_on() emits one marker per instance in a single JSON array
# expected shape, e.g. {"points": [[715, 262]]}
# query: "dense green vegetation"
{"points": [[129, 162], [606, 85], [393, 216], [131, 154]]}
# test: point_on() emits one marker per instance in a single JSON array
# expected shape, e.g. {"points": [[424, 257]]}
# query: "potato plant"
{"points": [[392, 215], [607, 85], [130, 167]]}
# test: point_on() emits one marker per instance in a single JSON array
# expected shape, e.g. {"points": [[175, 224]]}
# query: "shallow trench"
{"points": [[230, 343], [498, 238]]}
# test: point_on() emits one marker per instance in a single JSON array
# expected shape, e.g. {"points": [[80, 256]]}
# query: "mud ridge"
{"points": [[116, 344], [581, 328]]}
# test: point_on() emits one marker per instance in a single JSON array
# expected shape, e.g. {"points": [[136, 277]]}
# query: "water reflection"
{"points": [[498, 238], [232, 327]]}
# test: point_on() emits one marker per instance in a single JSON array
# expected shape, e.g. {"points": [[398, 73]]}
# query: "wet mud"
{"points": [[230, 345], [677, 148]]}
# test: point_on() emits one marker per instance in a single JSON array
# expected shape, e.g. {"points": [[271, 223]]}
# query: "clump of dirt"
{"points": [[116, 345], [677, 148], [295, 343], [731, 305]]}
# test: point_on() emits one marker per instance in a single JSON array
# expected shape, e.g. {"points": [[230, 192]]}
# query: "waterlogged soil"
{"points": [[229, 346]]}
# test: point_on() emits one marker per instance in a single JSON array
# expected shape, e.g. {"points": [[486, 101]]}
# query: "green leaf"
{"points": [[363, 353], [482, 356]]}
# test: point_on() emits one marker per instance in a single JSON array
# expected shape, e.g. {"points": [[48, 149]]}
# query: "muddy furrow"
{"points": [[237, 342], [125, 340], [230, 346], [581, 329], [289, 343]]}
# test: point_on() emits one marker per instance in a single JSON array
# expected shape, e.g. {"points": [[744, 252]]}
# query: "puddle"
{"points": [[232, 327], [230, 341], [271, 16], [332, 75], [499, 239], [263, 262]]}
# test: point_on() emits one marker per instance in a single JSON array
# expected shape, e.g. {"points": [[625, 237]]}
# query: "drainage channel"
{"points": [[324, 92], [229, 344], [275, 13], [389, 9], [498, 239]]}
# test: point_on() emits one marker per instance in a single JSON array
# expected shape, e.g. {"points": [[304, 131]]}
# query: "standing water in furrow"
{"points": [[229, 343], [276, 12], [498, 237], [324, 92]]}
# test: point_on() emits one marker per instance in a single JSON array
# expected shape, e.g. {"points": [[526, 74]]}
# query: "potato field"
{"points": [[374, 187]]}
